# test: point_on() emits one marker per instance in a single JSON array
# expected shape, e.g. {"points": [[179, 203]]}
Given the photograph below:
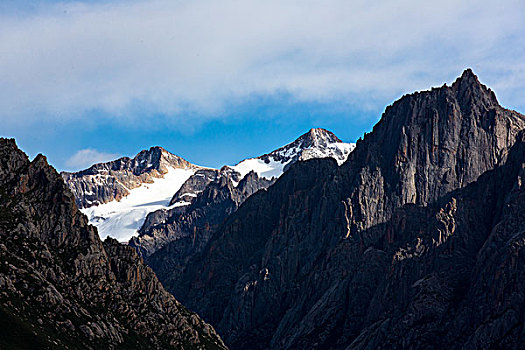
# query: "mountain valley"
{"points": [[414, 237]]}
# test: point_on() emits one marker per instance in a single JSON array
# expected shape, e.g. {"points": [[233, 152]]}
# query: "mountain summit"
{"points": [[316, 143], [470, 91], [105, 182], [408, 244], [117, 195]]}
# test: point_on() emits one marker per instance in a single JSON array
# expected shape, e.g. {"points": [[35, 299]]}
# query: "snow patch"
{"points": [[188, 194], [121, 219], [267, 170]]}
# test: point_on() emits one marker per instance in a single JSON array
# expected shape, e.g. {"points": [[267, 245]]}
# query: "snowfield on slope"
{"points": [[337, 150], [121, 219], [267, 170]]}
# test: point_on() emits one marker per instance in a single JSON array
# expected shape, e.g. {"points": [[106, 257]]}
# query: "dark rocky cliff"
{"points": [[61, 287], [415, 242]]}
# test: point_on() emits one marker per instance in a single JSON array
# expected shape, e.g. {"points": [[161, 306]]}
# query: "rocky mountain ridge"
{"points": [[389, 250], [104, 182], [191, 225], [62, 287], [316, 143]]}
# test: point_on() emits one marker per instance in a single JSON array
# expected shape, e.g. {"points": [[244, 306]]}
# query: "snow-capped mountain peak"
{"points": [[104, 182], [159, 159], [316, 143], [117, 195]]}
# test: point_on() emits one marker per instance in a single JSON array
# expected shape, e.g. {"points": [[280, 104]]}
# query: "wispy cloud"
{"points": [[84, 158], [129, 60]]}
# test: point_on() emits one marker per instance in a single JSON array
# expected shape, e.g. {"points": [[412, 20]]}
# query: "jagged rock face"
{"points": [[390, 250], [189, 227], [61, 287], [198, 182], [432, 142], [105, 182], [452, 269]]}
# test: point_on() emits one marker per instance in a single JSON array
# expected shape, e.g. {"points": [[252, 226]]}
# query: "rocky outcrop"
{"points": [[105, 182], [414, 242], [199, 181], [61, 287], [188, 228]]}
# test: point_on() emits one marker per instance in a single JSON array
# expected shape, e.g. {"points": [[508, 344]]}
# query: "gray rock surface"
{"points": [[415, 242], [61, 287]]}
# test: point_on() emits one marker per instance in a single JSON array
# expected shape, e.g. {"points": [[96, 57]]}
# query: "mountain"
{"points": [[105, 182], [316, 143], [117, 195], [62, 287], [416, 241], [209, 196]]}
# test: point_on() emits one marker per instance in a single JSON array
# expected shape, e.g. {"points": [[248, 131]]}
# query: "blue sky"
{"points": [[219, 81]]}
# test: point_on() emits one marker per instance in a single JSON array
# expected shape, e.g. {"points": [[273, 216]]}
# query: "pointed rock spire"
{"points": [[470, 91]]}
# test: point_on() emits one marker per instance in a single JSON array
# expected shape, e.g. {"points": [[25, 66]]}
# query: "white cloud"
{"points": [[136, 59], [84, 158]]}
